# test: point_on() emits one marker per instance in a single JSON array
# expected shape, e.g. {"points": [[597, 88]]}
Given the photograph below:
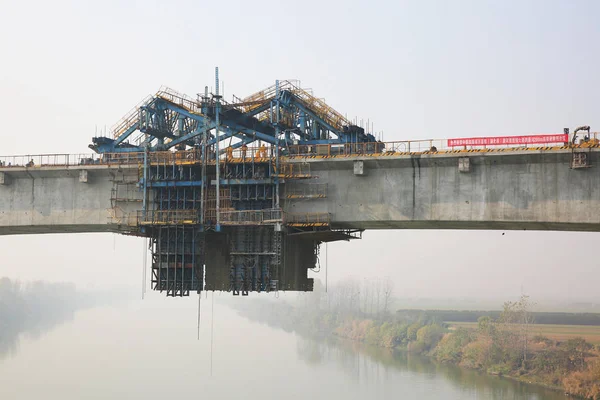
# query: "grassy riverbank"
{"points": [[552, 331], [508, 345]]}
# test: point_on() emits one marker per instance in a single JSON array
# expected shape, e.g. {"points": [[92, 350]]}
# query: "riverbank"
{"points": [[500, 346]]}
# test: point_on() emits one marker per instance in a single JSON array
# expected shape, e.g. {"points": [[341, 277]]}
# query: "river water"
{"points": [[149, 350]]}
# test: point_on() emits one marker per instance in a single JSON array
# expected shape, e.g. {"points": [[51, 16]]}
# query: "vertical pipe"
{"points": [[326, 263], [199, 303], [145, 254], [159, 257], [145, 186], [217, 110], [212, 329], [277, 143], [204, 140], [183, 260], [168, 258]]}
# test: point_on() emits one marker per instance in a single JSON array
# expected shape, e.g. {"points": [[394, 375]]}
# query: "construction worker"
{"points": [[244, 150], [229, 153], [262, 153]]}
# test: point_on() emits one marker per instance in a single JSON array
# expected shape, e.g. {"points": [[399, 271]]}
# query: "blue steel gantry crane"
{"points": [[212, 175]]}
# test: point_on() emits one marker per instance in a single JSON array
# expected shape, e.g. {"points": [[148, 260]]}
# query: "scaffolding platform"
{"points": [[306, 220], [294, 171], [251, 217]]}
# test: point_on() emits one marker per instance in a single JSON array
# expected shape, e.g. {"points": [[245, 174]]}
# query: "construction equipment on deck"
{"points": [[213, 180]]}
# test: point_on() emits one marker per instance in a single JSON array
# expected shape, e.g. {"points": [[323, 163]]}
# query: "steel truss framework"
{"points": [[215, 220]]}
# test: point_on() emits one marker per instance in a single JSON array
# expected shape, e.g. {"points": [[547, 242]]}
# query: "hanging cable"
{"points": [[326, 257], [212, 324], [145, 258], [199, 299], [149, 249]]}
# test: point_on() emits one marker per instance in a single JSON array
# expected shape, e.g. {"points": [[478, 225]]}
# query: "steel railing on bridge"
{"points": [[416, 146], [31, 160], [293, 151]]}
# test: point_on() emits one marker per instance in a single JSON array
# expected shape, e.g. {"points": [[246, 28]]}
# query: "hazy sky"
{"points": [[417, 69]]}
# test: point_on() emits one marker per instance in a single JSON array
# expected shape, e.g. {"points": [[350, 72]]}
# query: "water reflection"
{"points": [[27, 311], [146, 349], [11, 334], [374, 365]]}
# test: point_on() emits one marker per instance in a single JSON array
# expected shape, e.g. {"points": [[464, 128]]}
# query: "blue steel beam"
{"points": [[250, 133], [198, 131], [267, 181], [169, 127], [247, 135], [111, 149], [126, 134], [306, 110], [202, 120], [164, 184]]}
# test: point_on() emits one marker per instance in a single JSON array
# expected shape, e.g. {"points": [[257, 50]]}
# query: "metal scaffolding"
{"points": [[213, 175]]}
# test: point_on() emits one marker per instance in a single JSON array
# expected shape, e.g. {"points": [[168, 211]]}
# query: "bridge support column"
{"points": [[4, 178]]}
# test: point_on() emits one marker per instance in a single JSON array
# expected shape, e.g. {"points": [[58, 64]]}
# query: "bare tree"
{"points": [[516, 319], [388, 289], [378, 289]]}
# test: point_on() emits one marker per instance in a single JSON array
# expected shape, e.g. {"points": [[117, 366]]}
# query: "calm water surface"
{"points": [[148, 350]]}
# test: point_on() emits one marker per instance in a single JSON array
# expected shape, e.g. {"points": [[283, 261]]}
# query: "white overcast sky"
{"points": [[417, 69]]}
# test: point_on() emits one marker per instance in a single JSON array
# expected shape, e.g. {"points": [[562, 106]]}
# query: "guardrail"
{"points": [[307, 219], [30, 160], [251, 217], [124, 123], [267, 152], [297, 171], [64, 160], [167, 217], [406, 147]]}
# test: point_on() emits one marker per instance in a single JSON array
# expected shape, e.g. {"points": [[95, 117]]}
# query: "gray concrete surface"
{"points": [[58, 200], [503, 190]]}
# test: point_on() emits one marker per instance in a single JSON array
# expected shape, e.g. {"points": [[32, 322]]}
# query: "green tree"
{"points": [[430, 335], [412, 330]]}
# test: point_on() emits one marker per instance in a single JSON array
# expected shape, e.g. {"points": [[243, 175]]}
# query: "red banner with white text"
{"points": [[508, 140]]}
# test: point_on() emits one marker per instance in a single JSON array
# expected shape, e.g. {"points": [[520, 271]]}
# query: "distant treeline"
{"points": [[552, 318]]}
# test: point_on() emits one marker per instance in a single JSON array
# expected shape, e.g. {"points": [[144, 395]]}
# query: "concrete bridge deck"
{"points": [[510, 189]]}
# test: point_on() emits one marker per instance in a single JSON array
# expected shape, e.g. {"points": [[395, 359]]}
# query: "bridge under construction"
{"points": [[238, 196]]}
